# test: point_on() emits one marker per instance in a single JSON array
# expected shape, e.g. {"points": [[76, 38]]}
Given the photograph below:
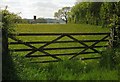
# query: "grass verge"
{"points": [[66, 70]]}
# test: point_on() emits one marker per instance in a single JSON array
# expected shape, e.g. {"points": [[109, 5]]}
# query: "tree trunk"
{"points": [[66, 21]]}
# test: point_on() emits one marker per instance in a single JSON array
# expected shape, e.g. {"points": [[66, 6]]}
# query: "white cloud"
{"points": [[40, 8]]}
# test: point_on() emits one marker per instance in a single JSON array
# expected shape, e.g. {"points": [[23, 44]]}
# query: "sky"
{"points": [[40, 8]]}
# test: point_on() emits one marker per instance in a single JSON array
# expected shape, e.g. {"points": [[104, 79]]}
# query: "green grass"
{"points": [[66, 70], [58, 28]]}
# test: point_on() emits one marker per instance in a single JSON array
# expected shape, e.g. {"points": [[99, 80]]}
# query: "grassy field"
{"points": [[37, 28], [67, 70], [70, 28]]}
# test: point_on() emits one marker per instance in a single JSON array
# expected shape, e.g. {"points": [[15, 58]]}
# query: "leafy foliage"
{"points": [[9, 20], [97, 13]]}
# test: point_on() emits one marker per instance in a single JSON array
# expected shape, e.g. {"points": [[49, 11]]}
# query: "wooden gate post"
{"points": [[4, 42], [113, 37]]}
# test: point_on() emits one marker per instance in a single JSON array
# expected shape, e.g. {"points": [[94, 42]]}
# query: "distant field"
{"points": [[57, 28]]}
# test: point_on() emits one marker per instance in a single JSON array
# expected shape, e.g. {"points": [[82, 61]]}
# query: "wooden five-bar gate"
{"points": [[85, 47]]}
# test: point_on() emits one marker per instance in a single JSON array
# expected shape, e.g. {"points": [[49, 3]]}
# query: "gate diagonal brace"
{"points": [[34, 48], [20, 41], [87, 47], [41, 48], [82, 43]]}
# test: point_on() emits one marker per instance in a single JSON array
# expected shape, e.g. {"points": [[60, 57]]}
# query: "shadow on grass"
{"points": [[8, 68]]}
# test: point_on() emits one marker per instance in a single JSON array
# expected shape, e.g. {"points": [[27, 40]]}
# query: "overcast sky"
{"points": [[40, 8]]}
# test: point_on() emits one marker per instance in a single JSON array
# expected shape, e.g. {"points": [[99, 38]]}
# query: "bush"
{"points": [[119, 71], [117, 56], [107, 59], [110, 58]]}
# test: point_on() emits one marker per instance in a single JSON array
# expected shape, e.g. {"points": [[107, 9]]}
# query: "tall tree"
{"points": [[63, 14], [102, 13], [8, 23]]}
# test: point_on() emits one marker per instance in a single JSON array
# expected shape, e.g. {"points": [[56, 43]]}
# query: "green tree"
{"points": [[9, 21], [102, 13], [79, 12], [63, 14]]}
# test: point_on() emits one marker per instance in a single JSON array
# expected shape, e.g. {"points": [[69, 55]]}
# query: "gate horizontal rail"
{"points": [[61, 48], [42, 42], [65, 54], [52, 34]]}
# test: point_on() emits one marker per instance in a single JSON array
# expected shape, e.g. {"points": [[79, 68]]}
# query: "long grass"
{"points": [[66, 70]]}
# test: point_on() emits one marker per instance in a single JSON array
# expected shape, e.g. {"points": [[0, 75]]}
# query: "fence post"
{"points": [[113, 37], [4, 42]]}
